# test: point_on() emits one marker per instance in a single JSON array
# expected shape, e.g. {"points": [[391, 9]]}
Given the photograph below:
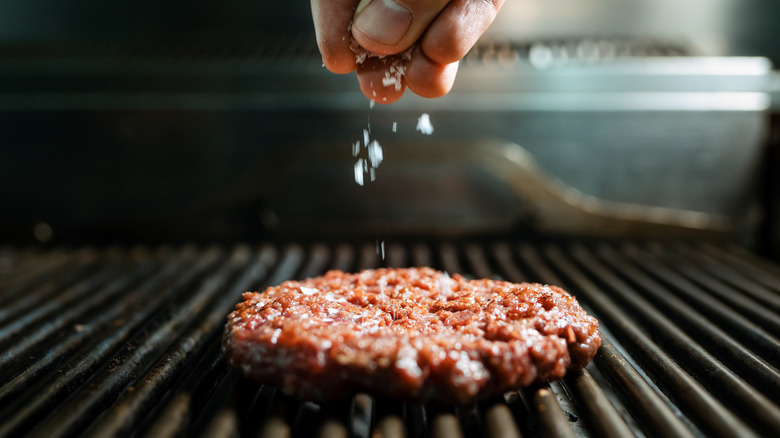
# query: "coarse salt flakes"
{"points": [[375, 155], [396, 64], [444, 284], [391, 80], [308, 290], [380, 249], [424, 124], [359, 171]]}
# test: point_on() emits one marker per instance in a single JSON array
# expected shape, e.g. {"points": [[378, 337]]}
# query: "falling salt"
{"points": [[359, 171], [375, 155], [395, 126], [380, 248], [424, 124], [367, 165], [372, 102]]}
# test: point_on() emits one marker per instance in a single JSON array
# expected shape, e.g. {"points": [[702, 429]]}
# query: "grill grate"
{"points": [[118, 341]]}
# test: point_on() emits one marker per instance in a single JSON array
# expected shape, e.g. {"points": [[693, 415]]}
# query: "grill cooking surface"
{"points": [[125, 341]]}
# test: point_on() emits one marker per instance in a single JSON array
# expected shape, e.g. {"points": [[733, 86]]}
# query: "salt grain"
{"points": [[375, 155], [424, 124], [444, 285], [308, 290], [396, 64], [392, 80], [359, 171]]}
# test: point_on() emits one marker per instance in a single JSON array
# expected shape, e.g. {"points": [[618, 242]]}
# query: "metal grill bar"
{"points": [[389, 422], [757, 267], [591, 399], [121, 373], [131, 345], [24, 299], [639, 397], [751, 283], [747, 331], [35, 270], [739, 358], [92, 353], [676, 383], [642, 401], [499, 421], [129, 409], [47, 319]]}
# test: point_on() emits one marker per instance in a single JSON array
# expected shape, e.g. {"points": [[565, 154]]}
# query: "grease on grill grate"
{"points": [[100, 342]]}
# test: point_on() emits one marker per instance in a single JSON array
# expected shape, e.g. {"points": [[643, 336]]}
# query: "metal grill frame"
{"points": [[125, 341]]}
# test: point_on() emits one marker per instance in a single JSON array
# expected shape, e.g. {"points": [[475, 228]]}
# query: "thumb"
{"points": [[388, 27]]}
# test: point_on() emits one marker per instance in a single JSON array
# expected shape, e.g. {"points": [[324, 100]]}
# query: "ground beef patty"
{"points": [[413, 334]]}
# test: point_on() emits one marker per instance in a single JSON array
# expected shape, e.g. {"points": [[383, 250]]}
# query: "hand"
{"points": [[439, 33]]}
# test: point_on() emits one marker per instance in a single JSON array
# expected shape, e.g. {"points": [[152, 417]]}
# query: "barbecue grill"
{"points": [[149, 179], [125, 341]]}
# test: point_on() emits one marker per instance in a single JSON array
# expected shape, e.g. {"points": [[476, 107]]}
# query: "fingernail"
{"points": [[383, 20]]}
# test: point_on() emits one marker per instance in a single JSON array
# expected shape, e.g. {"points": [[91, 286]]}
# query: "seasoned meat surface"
{"points": [[413, 334]]}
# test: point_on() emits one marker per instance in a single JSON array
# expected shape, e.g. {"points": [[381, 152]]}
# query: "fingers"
{"points": [[331, 27], [444, 29], [457, 28], [387, 27], [428, 78]]}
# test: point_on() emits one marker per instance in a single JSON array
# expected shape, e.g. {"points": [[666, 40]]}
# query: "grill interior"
{"points": [[125, 341]]}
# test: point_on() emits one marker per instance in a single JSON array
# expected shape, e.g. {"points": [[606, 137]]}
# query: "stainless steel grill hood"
{"points": [[624, 122]]}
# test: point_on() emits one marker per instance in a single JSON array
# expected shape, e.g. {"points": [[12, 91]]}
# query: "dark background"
{"points": [[92, 166], [715, 27]]}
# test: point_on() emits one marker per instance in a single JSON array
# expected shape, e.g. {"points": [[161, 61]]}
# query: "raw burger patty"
{"points": [[412, 334]]}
